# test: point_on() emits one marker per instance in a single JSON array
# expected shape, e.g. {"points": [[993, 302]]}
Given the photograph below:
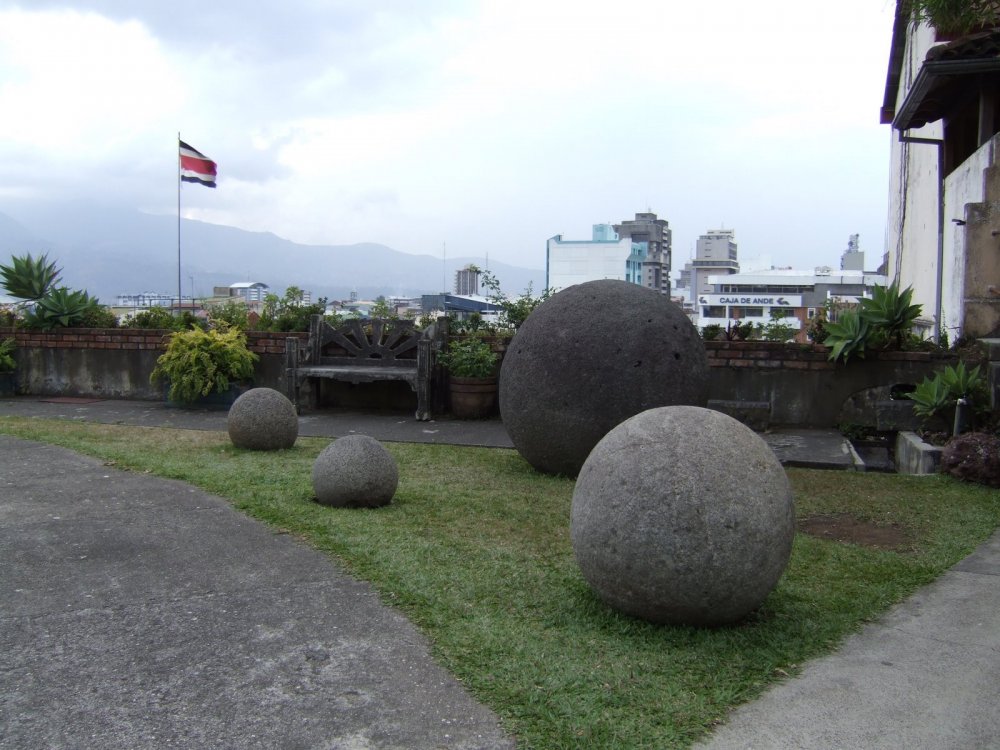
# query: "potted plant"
{"points": [[471, 365], [198, 364], [8, 379]]}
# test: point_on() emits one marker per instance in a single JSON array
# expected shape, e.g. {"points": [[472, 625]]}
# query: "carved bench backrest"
{"points": [[377, 343]]}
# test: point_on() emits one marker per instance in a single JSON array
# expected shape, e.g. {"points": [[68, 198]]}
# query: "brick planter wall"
{"points": [[793, 384], [117, 362]]}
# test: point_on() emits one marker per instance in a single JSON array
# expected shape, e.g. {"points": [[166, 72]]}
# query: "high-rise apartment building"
{"points": [[467, 281], [637, 251]]}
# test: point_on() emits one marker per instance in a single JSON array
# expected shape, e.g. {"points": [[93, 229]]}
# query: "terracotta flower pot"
{"points": [[472, 398]]}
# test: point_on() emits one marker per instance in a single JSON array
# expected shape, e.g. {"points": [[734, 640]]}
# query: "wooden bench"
{"points": [[362, 352]]}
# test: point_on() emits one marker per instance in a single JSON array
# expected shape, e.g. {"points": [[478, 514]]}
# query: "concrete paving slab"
{"points": [[926, 676], [812, 449], [175, 621]]}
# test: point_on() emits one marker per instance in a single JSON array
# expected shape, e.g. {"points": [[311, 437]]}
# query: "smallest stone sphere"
{"points": [[262, 419], [355, 471]]}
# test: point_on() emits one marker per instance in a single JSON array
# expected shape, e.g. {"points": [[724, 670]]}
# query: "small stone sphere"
{"points": [[262, 419], [355, 471], [590, 357], [682, 515]]}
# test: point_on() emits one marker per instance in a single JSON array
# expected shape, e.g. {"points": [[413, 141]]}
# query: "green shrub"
{"points": [[7, 362], [890, 311], [232, 313], [711, 332], [154, 318], [199, 362], [469, 358]]}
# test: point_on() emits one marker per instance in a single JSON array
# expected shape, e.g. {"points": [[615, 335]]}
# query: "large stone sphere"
{"points": [[355, 471], [262, 419], [589, 358], [682, 515]]}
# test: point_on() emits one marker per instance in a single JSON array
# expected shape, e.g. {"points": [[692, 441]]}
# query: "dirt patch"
{"points": [[844, 527]]}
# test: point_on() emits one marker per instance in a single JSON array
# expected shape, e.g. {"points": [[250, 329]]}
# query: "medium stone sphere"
{"points": [[262, 419], [355, 471], [682, 515], [589, 358]]}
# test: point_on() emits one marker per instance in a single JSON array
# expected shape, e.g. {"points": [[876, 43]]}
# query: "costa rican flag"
{"points": [[196, 167]]}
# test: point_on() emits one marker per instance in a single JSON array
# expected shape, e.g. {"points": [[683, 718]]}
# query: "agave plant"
{"points": [[930, 398], [60, 307], [29, 278], [891, 311], [847, 336]]}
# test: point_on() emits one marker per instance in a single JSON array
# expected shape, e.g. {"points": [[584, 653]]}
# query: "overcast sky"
{"points": [[479, 126]]}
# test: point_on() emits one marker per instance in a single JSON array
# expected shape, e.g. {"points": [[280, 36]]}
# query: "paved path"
{"points": [[924, 677], [139, 612]]}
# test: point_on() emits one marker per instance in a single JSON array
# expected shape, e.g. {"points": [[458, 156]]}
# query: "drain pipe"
{"points": [[939, 281]]}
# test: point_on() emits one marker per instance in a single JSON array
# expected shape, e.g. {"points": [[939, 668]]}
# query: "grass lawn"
{"points": [[475, 550]]}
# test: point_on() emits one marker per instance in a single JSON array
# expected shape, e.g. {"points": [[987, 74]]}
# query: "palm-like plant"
{"points": [[847, 335], [891, 311], [60, 307], [29, 278]]}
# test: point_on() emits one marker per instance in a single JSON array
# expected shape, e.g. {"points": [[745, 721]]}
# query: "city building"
{"points": [[715, 254], [944, 173], [636, 251], [144, 300], [249, 291], [653, 235], [467, 281], [798, 295]]}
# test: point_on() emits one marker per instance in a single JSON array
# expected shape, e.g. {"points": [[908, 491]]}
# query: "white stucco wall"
{"points": [[572, 263], [963, 186], [912, 229]]}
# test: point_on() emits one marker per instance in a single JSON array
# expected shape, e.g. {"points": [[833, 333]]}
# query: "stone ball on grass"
{"points": [[262, 419], [682, 515], [355, 471], [590, 357]]}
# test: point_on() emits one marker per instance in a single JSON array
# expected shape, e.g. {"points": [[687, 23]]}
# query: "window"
{"points": [[713, 311]]}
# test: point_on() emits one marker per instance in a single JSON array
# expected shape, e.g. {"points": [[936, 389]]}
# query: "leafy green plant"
{"points": [[232, 313], [289, 312], [156, 318], [7, 347], [513, 312], [469, 358], [955, 16], [776, 330], [199, 362], [939, 395], [847, 336], [711, 332], [930, 398], [737, 331], [891, 311], [28, 278]]}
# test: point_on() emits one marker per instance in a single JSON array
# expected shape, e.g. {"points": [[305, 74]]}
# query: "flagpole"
{"points": [[177, 156]]}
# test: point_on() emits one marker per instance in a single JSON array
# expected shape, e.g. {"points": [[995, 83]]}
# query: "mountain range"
{"points": [[112, 250]]}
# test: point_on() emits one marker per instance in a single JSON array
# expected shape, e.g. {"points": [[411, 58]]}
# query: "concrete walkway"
{"points": [[924, 677], [142, 613]]}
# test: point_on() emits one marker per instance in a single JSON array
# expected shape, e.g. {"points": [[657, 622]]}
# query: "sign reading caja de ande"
{"points": [[764, 300]]}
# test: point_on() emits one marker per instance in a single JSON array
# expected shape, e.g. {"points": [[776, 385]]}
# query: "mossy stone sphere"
{"points": [[262, 419], [682, 515], [590, 357], [355, 471]]}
